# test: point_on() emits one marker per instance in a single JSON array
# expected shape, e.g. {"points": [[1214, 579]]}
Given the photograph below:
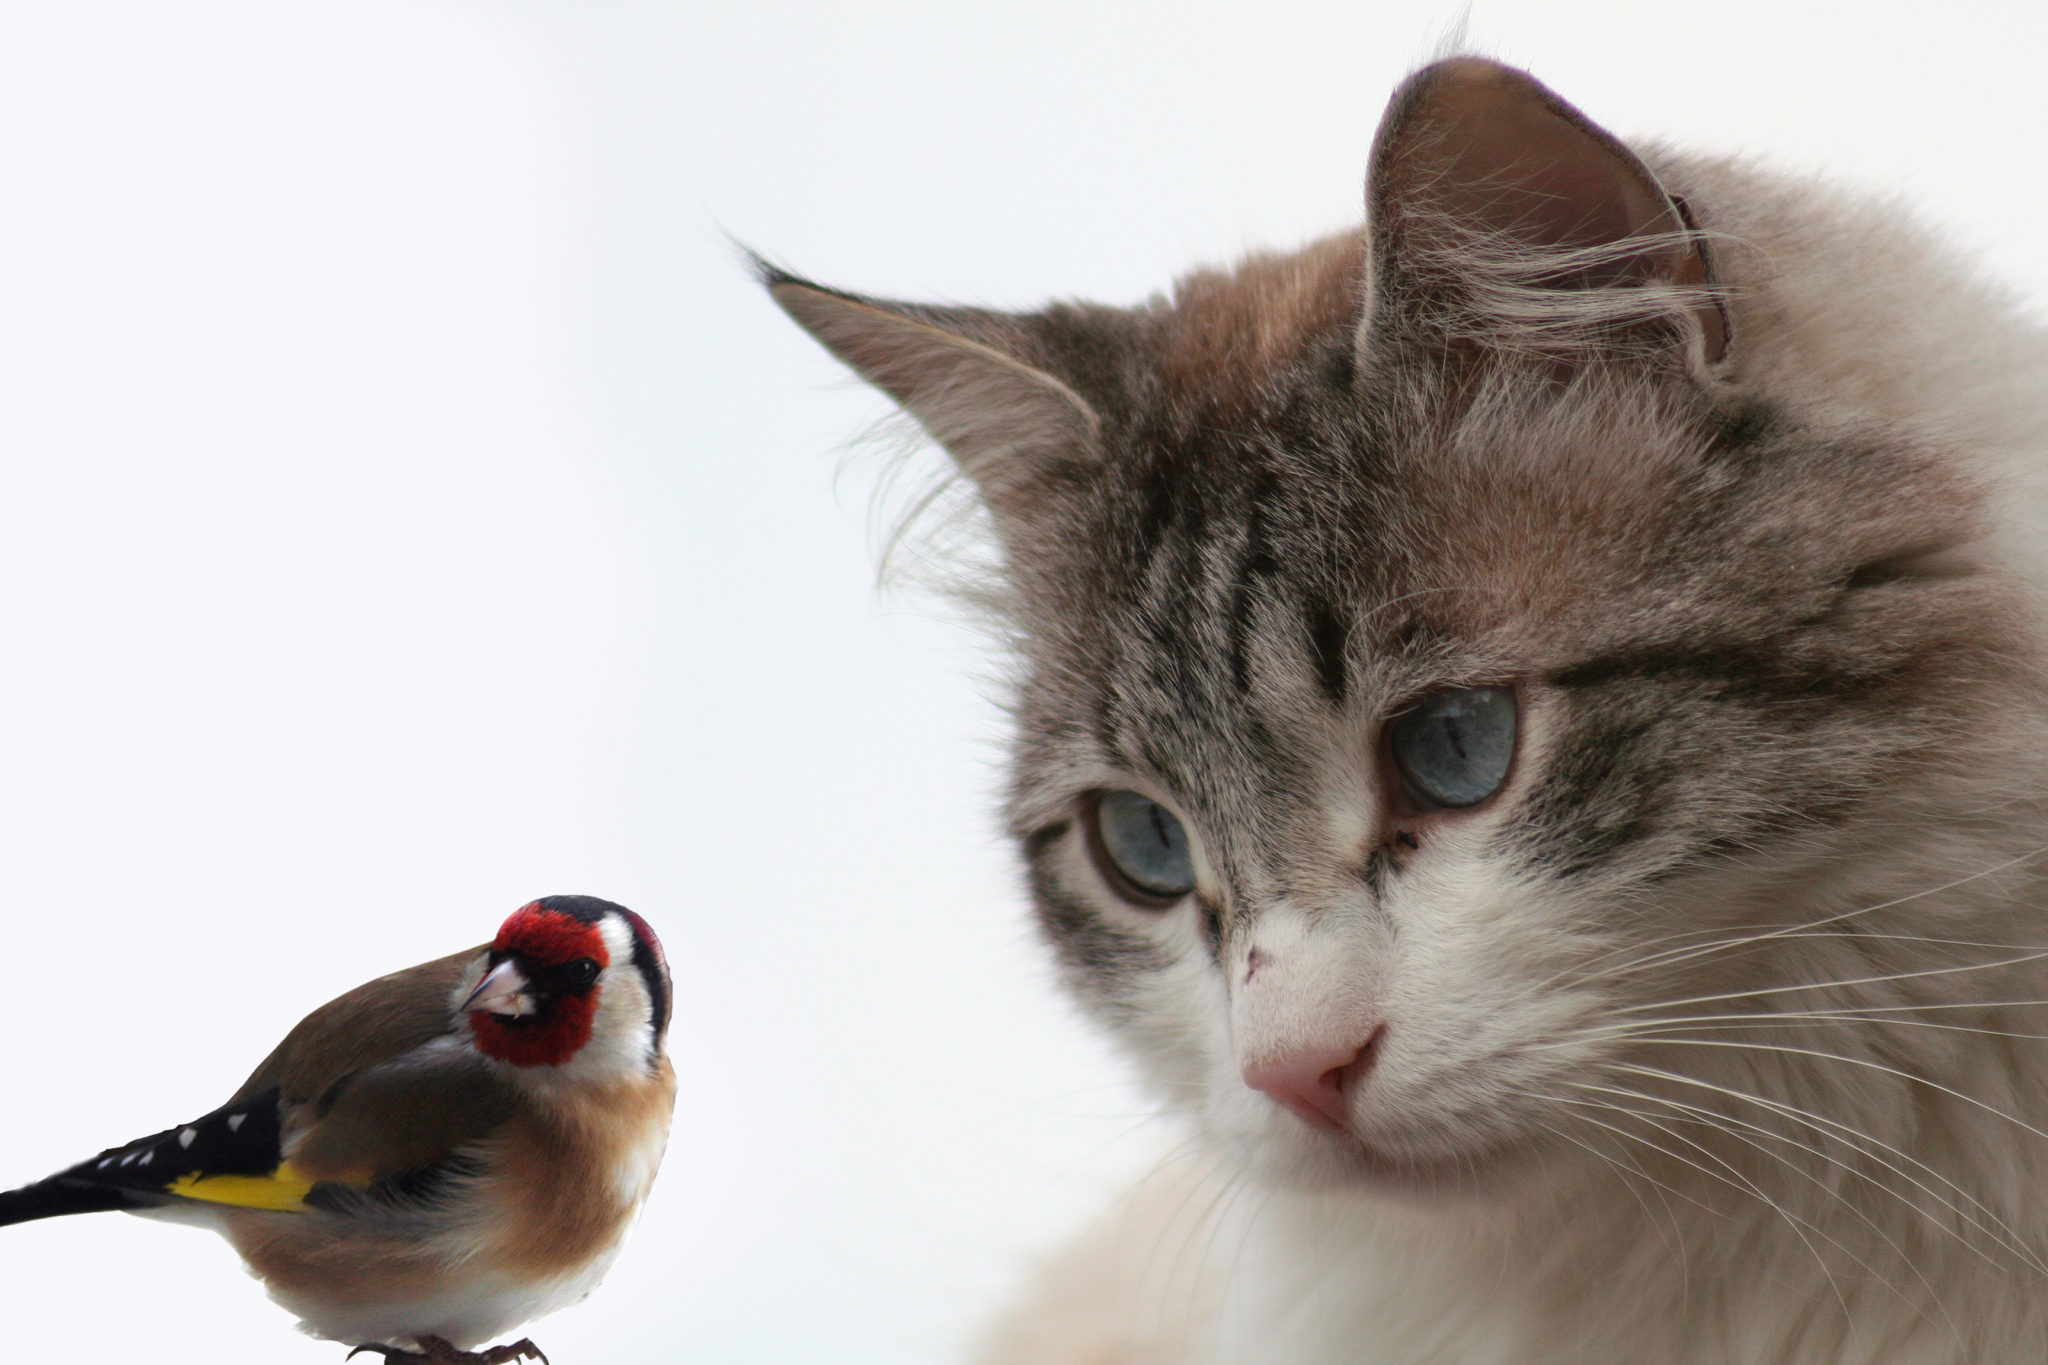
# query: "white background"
{"points": [[408, 507]]}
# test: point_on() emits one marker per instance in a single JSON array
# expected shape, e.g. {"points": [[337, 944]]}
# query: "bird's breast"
{"points": [[571, 1172]]}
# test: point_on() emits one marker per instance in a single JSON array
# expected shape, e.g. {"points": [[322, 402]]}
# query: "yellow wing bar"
{"points": [[283, 1189]]}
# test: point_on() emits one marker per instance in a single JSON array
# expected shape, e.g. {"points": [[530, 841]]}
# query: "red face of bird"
{"points": [[570, 980]]}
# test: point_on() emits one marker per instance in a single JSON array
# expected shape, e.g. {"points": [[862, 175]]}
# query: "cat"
{"points": [[1531, 734]]}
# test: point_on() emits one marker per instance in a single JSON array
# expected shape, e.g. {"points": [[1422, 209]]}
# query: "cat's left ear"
{"points": [[967, 375], [1501, 216]]}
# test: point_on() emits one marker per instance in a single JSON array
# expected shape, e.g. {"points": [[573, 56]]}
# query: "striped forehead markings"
{"points": [[1247, 587]]}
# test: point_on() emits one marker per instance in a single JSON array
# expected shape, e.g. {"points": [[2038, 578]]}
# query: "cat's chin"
{"points": [[1341, 1162]]}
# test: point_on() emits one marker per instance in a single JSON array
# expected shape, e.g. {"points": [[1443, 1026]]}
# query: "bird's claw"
{"points": [[436, 1351], [522, 1349]]}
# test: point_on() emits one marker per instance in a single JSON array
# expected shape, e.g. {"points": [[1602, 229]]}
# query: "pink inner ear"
{"points": [[1471, 145], [1508, 154]]}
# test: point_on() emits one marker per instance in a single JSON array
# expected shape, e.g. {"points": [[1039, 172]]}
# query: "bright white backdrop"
{"points": [[408, 507]]}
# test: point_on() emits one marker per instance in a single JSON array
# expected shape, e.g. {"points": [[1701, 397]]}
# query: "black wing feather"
{"points": [[57, 1196], [243, 1138]]}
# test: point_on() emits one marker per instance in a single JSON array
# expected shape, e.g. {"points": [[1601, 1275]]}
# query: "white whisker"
{"points": [[1687, 953], [2005, 1235], [1723, 1121], [1761, 991], [1736, 1180], [1863, 1062]]}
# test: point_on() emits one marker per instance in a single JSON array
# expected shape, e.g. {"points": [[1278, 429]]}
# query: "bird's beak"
{"points": [[502, 991]]}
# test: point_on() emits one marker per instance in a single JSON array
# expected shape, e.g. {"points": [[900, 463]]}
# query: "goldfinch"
{"points": [[437, 1156]]}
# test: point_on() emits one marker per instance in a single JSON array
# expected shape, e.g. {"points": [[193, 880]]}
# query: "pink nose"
{"points": [[1312, 1082]]}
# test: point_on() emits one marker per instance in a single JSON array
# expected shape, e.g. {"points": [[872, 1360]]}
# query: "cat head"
{"points": [[1440, 645]]}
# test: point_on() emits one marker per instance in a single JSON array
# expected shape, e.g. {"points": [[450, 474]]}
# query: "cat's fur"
{"points": [[1713, 1036]]}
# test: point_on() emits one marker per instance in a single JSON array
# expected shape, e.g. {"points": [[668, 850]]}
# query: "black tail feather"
{"points": [[57, 1196]]}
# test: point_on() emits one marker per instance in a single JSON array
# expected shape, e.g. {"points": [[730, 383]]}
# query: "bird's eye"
{"points": [[1454, 749], [1142, 848], [581, 972]]}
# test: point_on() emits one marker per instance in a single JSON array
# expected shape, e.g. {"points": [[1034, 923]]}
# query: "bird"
{"points": [[438, 1156]]}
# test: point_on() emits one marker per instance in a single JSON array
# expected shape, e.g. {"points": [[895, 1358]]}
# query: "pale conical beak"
{"points": [[502, 991]]}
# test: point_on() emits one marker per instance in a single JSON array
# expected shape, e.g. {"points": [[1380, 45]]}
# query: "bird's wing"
{"points": [[235, 1152], [384, 1130], [370, 1091], [373, 1023], [400, 1118]]}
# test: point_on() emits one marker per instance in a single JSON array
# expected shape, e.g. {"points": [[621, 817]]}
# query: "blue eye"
{"points": [[1454, 748], [1144, 846]]}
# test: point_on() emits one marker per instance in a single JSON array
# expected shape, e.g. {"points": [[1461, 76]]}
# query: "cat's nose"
{"points": [[1315, 1081]]}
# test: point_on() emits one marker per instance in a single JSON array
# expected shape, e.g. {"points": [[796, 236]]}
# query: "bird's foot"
{"points": [[435, 1351]]}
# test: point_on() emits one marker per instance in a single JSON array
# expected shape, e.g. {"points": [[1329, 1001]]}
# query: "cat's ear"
{"points": [[962, 373], [1500, 215]]}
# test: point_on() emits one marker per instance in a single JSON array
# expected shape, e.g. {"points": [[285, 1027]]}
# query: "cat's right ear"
{"points": [[1501, 217], [962, 373]]}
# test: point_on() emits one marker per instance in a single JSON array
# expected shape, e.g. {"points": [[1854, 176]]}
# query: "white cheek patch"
{"points": [[618, 942], [622, 1029]]}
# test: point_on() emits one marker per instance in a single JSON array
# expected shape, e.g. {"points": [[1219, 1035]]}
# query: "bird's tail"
{"points": [[57, 1196]]}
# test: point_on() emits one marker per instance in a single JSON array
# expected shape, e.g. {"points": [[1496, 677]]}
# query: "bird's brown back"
{"points": [[375, 1022]]}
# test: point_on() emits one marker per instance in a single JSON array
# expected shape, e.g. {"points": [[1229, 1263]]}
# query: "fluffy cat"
{"points": [[1531, 733]]}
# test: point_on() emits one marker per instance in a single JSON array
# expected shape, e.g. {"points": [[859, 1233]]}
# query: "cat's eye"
{"points": [[1454, 749], [1142, 847]]}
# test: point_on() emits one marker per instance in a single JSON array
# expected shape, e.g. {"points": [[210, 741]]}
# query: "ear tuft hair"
{"points": [[963, 374], [1501, 216]]}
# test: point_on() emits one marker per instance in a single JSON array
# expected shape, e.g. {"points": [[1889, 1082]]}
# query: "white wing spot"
{"points": [[105, 1162], [185, 1137], [128, 1158], [235, 1122], [146, 1157]]}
